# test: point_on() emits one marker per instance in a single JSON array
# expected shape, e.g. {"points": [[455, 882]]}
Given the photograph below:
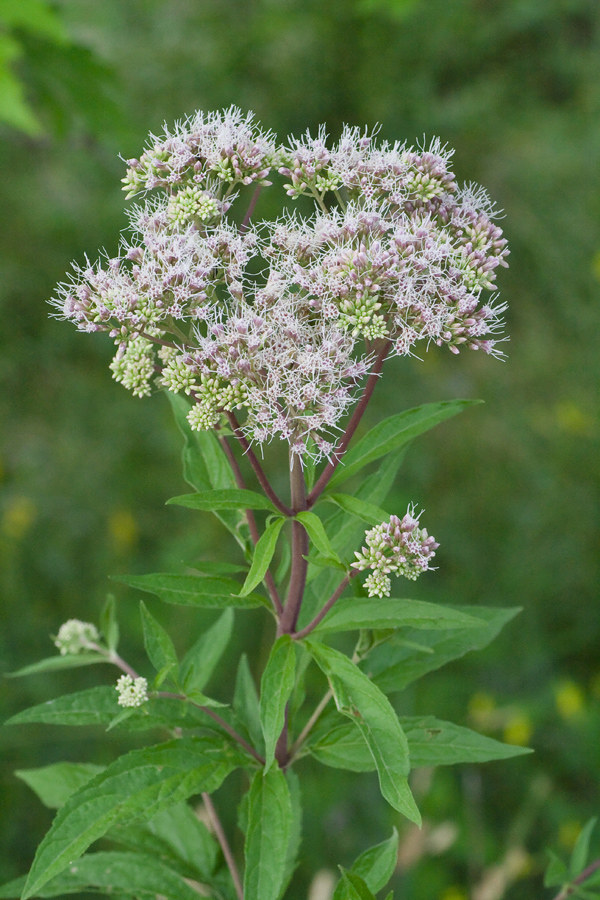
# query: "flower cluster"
{"points": [[399, 546], [283, 320], [75, 636], [132, 691]]}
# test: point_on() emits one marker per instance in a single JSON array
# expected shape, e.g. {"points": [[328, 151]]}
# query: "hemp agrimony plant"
{"points": [[264, 331]]}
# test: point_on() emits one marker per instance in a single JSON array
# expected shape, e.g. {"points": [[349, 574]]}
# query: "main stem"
{"points": [[287, 623]]}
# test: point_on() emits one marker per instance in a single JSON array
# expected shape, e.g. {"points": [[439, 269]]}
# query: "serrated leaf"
{"points": [[267, 836], [135, 787], [99, 706], [108, 623], [367, 512], [351, 613], [55, 783], [361, 701], [263, 554], [393, 667], [431, 742], [579, 856], [193, 590], [111, 872], [393, 433], [375, 866], [199, 662], [246, 704], [55, 663], [317, 534], [176, 837], [229, 499], [158, 644], [557, 872], [276, 686]]}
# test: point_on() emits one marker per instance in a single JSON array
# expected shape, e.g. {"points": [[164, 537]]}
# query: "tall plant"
{"points": [[275, 330]]}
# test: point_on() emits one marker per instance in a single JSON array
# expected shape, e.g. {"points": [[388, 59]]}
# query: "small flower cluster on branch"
{"points": [[398, 546], [283, 320], [75, 636], [132, 691]]}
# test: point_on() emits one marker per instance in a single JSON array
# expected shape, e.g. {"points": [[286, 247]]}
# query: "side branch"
{"points": [[254, 534], [571, 888], [258, 469], [353, 424], [224, 843], [298, 635]]}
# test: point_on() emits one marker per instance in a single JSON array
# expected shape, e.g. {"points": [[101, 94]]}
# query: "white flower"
{"points": [[74, 636], [132, 691]]}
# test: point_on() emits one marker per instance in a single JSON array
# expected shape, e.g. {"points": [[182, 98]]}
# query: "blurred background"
{"points": [[510, 488]]}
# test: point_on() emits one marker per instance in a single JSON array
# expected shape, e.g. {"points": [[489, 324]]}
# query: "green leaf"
{"points": [[54, 784], [263, 554], [194, 590], [246, 704], [375, 866], [205, 468], [55, 663], [199, 662], [99, 706], [229, 499], [354, 887], [216, 568], [581, 849], [108, 623], [112, 872], [267, 836], [367, 512], [276, 686], [433, 742], [557, 872], [350, 613], [393, 433], [34, 16], [361, 701], [295, 840], [317, 534], [137, 786], [176, 837], [157, 642], [393, 667]]}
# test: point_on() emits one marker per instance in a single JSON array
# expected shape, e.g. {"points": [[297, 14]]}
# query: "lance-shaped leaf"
{"points": [[234, 498], [431, 742], [157, 642], [192, 590], [579, 856], [175, 836], [206, 467], [295, 840], [199, 662], [135, 787], [115, 872], [55, 663], [360, 700], [375, 866], [317, 534], [354, 887], [246, 704], [99, 706], [263, 554], [55, 783], [276, 686], [368, 512], [267, 835], [351, 613], [393, 666], [394, 433]]}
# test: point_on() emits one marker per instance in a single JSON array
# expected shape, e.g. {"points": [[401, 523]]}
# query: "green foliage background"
{"points": [[510, 488]]}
